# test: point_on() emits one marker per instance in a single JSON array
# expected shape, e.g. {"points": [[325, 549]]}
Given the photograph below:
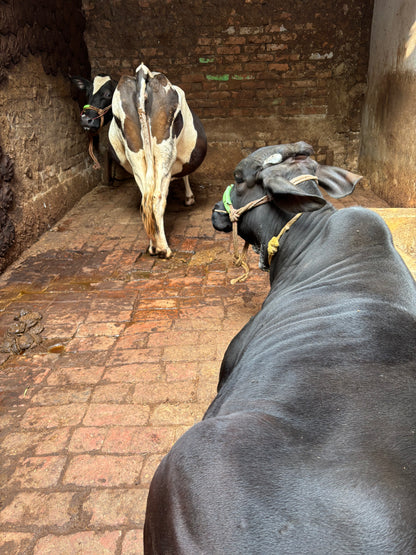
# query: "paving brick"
{"points": [[115, 414], [132, 341], [94, 343], [81, 543], [103, 470], [177, 414], [181, 371], [53, 417], [173, 338], [61, 395], [116, 507], [113, 393], [43, 443], [29, 509], [150, 439], [37, 472], [133, 543], [149, 468], [187, 353], [14, 543], [162, 392], [112, 329], [87, 439], [63, 376], [132, 373], [138, 356]]}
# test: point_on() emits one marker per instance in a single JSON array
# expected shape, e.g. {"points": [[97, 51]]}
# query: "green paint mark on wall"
{"points": [[242, 77], [224, 77], [206, 60]]}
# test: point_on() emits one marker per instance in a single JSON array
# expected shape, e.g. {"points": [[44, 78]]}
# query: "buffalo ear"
{"points": [[291, 198], [337, 182], [81, 83]]}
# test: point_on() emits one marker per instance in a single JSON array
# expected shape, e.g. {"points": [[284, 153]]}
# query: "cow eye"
{"points": [[238, 178], [107, 94]]}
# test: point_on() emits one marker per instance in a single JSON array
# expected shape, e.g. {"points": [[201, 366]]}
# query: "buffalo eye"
{"points": [[238, 178]]}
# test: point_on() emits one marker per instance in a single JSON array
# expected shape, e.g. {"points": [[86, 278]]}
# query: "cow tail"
{"points": [[143, 75]]}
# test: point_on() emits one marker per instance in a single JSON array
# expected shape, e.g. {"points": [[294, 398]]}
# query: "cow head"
{"points": [[99, 94], [270, 172]]}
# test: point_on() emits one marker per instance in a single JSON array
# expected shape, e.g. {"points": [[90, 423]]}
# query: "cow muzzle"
{"points": [[92, 118]]}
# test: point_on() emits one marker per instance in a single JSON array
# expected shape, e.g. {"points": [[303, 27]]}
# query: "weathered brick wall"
{"points": [[256, 71], [40, 43]]}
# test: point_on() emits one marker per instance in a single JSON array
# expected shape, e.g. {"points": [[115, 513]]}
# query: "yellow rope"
{"points": [[273, 245]]}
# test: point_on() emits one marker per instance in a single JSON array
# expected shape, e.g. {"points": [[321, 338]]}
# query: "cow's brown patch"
{"points": [[162, 105], [131, 124]]}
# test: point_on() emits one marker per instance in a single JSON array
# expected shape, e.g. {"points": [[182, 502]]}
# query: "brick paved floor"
{"points": [[129, 360]]}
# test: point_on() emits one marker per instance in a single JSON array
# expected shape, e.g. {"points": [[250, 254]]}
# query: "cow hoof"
{"points": [[189, 201], [164, 254]]}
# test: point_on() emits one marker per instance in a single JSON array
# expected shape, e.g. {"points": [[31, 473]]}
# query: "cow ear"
{"points": [[304, 197], [337, 182], [81, 83]]}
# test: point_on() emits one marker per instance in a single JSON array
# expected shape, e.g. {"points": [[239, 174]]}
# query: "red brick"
{"points": [[38, 509], [87, 439], [181, 372], [103, 470], [138, 356], [53, 417], [44, 443], [188, 353], [161, 392], [102, 328], [133, 543], [149, 468], [116, 507], [15, 542], [173, 338], [115, 414], [132, 373], [61, 395], [177, 414], [110, 393], [95, 343], [62, 376], [102, 543], [132, 341], [37, 472]]}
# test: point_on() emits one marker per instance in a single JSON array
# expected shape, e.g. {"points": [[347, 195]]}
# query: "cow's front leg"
{"points": [[189, 196], [159, 246]]}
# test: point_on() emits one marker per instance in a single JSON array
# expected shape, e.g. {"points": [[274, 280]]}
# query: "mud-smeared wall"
{"points": [[257, 72], [40, 44], [388, 143]]}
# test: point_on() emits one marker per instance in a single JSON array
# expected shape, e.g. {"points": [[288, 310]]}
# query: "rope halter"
{"points": [[234, 215], [100, 114]]}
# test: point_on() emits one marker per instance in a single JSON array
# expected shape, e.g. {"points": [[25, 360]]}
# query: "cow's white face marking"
{"points": [[99, 82]]}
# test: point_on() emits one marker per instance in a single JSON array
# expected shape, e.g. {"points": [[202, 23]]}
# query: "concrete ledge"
{"points": [[402, 224]]}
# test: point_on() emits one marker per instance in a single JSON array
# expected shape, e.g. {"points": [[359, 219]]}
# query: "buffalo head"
{"points": [[289, 179]]}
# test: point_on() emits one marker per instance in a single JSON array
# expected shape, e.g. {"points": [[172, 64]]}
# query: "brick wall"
{"points": [[40, 44], [295, 70]]}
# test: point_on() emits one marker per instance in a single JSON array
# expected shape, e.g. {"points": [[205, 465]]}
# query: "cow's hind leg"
{"points": [[159, 245], [189, 196]]}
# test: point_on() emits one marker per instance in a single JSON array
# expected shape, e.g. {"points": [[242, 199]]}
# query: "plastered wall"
{"points": [[388, 140]]}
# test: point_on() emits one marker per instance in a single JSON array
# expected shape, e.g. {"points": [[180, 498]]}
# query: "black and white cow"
{"points": [[310, 444], [99, 93], [155, 136]]}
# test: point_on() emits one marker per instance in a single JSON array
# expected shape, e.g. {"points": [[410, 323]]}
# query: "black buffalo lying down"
{"points": [[310, 444]]}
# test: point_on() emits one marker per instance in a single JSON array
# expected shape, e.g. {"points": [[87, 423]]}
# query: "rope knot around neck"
{"points": [[234, 215], [100, 114]]}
